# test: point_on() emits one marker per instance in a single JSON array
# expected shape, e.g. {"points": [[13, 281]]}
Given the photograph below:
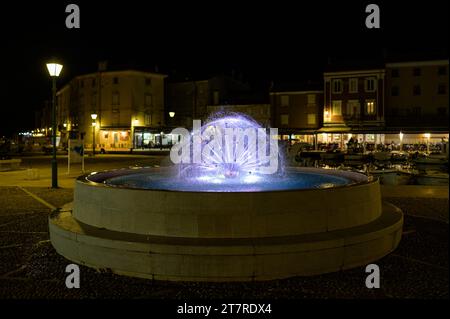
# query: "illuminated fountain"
{"points": [[227, 210]]}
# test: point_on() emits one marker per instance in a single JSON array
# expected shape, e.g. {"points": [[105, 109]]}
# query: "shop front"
{"points": [[148, 138], [115, 139]]}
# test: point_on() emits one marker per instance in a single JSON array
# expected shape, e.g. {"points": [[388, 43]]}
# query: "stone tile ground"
{"points": [[30, 268]]}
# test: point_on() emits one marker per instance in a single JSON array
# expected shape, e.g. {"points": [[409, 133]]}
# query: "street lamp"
{"points": [[93, 117], [54, 69], [171, 114], [400, 135]]}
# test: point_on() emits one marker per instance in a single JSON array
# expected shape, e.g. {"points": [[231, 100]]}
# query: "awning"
{"points": [[342, 129]]}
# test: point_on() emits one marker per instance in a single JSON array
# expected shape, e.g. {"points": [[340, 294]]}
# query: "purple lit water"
{"points": [[235, 169], [292, 180]]}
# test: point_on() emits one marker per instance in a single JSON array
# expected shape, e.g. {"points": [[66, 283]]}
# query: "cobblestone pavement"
{"points": [[30, 268]]}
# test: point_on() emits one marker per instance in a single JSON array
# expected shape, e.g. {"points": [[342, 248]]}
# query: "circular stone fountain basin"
{"points": [[145, 223]]}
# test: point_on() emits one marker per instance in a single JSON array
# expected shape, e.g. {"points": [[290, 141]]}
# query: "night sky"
{"points": [[265, 41]]}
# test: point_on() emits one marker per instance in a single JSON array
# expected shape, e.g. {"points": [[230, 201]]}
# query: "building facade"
{"points": [[297, 114], [190, 99], [129, 106], [417, 99], [354, 103]]}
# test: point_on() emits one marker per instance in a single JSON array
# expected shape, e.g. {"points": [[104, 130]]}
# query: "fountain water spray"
{"points": [[226, 147]]}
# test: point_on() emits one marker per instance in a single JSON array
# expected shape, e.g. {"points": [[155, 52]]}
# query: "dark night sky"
{"points": [[277, 40]]}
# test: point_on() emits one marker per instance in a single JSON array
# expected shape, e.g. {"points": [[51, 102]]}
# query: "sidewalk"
{"points": [[414, 191], [24, 178]]}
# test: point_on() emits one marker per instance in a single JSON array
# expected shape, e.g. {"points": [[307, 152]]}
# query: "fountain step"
{"points": [[225, 259]]}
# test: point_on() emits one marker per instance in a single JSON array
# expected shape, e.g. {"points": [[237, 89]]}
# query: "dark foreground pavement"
{"points": [[30, 268]]}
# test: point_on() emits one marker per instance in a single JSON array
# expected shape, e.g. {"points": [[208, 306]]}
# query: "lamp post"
{"points": [[54, 69], [171, 115], [134, 123], [427, 136], [93, 117]]}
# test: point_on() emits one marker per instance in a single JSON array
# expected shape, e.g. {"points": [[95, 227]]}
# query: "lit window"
{"points": [[370, 107], [284, 119], [337, 108], [312, 119], [353, 85], [311, 99], [337, 86], [285, 100]]}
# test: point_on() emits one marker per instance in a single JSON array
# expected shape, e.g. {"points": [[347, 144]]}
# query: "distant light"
{"points": [[135, 122], [427, 135], [94, 116], [65, 125], [54, 69], [171, 114], [401, 136]]}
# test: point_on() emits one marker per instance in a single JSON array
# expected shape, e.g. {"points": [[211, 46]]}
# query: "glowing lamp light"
{"points": [[427, 135], [54, 69], [94, 116], [135, 122], [171, 114], [401, 136]]}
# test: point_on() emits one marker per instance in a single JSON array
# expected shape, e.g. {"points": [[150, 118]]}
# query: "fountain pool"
{"points": [[225, 221]]}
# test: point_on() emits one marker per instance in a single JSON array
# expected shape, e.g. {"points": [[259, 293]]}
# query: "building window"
{"points": [[416, 111], [147, 119], [148, 81], [370, 107], [370, 84], [442, 89], [115, 98], [216, 97], [336, 108], [442, 111], [311, 119], [284, 119], [395, 91], [115, 80], [81, 83], [94, 83], [417, 71], [353, 108], [353, 85], [285, 100], [148, 100], [337, 86], [94, 99], [416, 90], [311, 99], [442, 70], [395, 73]]}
